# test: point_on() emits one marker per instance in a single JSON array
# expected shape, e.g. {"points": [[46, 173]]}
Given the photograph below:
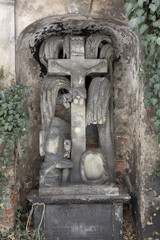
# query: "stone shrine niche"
{"points": [[76, 111], [76, 183]]}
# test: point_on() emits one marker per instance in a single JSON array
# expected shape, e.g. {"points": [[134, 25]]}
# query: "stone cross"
{"points": [[78, 68]]}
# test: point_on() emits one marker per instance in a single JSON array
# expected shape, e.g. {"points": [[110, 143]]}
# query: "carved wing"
{"points": [[94, 43], [51, 48], [49, 92], [98, 98]]}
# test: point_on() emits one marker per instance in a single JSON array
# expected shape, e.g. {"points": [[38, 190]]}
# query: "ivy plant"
{"points": [[19, 232], [1, 73], [144, 17], [13, 125]]}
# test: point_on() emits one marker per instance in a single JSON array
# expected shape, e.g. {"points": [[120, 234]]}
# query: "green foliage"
{"points": [[19, 232], [144, 17], [13, 125], [157, 171], [1, 73]]}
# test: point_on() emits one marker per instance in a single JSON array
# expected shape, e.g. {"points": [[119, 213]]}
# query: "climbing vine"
{"points": [[13, 125], [144, 17], [20, 232], [1, 73]]}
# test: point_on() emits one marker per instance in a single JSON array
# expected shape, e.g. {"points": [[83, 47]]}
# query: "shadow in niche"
{"points": [[92, 139], [61, 111]]}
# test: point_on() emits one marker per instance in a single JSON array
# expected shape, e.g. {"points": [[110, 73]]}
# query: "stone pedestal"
{"points": [[80, 212]]}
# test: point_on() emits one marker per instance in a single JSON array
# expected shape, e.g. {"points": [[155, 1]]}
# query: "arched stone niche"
{"points": [[126, 87]]}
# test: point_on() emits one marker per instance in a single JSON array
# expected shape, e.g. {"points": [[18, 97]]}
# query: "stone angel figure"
{"points": [[55, 145]]}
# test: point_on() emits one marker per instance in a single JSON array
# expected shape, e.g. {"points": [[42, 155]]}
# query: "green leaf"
{"points": [[128, 7], [158, 41], [156, 23], [134, 22], [152, 17], [140, 2], [154, 101], [140, 74], [149, 94], [10, 127], [157, 2], [155, 91], [4, 198], [1, 140], [146, 102], [157, 125], [157, 86], [139, 12], [153, 7], [143, 28]]}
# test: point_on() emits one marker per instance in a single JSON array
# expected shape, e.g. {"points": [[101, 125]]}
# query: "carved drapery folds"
{"points": [[71, 61]]}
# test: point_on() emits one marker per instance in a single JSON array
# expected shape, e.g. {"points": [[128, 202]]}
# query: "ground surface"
{"points": [[129, 232]]}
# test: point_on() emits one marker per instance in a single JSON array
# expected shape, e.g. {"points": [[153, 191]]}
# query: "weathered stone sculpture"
{"points": [[69, 60], [53, 136], [76, 106]]}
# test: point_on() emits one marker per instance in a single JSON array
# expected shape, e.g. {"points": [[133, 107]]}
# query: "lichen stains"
{"points": [[113, 9]]}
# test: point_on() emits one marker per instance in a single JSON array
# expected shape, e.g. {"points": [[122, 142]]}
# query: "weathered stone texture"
{"points": [[28, 12], [110, 9], [148, 184], [7, 40]]}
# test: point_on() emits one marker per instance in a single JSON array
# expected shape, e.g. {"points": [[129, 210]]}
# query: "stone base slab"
{"points": [[72, 216]]}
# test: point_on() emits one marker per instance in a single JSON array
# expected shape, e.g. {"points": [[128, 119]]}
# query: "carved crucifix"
{"points": [[78, 68]]}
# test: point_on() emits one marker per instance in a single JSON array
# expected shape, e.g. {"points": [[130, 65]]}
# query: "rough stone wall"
{"points": [[135, 149], [7, 61], [147, 196]]}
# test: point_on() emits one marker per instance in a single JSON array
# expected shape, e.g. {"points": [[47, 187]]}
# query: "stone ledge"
{"points": [[34, 197]]}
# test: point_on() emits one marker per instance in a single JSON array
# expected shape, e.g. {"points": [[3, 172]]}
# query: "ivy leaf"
{"points": [[157, 125], [157, 2], [10, 127], [134, 22], [1, 140], [158, 113], [149, 94], [155, 91], [143, 18], [158, 41], [128, 7], [157, 86], [143, 28], [154, 101], [146, 102], [156, 23], [140, 74], [4, 198], [152, 17], [139, 12], [153, 7], [140, 2]]}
